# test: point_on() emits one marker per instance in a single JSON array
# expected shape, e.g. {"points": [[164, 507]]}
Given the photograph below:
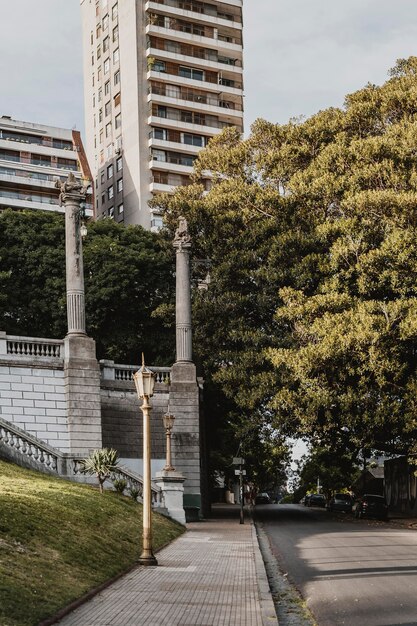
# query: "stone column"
{"points": [[73, 193], [81, 369], [182, 244], [184, 391]]}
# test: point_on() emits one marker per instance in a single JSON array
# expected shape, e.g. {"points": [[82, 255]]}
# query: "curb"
{"points": [[268, 613]]}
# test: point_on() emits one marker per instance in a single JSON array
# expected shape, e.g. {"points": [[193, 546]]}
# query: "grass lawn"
{"points": [[59, 539]]}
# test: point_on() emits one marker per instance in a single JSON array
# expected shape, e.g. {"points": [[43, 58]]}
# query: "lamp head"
{"points": [[169, 420], [144, 380]]}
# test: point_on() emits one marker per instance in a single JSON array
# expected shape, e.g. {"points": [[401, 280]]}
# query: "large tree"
{"points": [[309, 321]]}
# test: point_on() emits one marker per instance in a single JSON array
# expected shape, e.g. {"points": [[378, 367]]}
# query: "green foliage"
{"points": [[60, 539], [128, 277], [119, 484], [134, 493], [102, 463], [337, 470], [307, 327]]}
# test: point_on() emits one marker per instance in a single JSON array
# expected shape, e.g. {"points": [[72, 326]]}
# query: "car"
{"points": [[262, 498], [340, 502], [316, 499], [370, 505]]}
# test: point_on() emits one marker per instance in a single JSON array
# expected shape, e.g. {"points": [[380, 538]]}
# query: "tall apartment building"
{"points": [[161, 78], [32, 158]]}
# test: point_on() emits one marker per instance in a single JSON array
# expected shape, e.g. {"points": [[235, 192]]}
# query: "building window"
{"points": [[94, 100], [92, 80], [107, 88], [101, 136], [117, 77], [159, 66], [109, 172], [101, 157], [117, 99], [100, 94], [119, 164], [193, 140], [106, 66], [118, 121], [102, 177], [98, 31], [98, 51], [103, 198], [159, 155], [105, 44], [109, 151], [95, 141], [114, 11], [111, 212], [116, 55], [105, 21], [99, 74], [120, 208], [100, 115], [91, 38], [160, 133], [189, 72], [108, 129], [115, 33], [107, 108], [120, 185], [110, 192], [92, 59]]}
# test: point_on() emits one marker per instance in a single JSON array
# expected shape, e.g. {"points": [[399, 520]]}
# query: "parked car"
{"points": [[340, 502], [262, 498], [316, 499], [370, 505]]}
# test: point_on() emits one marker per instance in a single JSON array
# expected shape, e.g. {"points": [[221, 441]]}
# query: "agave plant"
{"points": [[101, 463]]}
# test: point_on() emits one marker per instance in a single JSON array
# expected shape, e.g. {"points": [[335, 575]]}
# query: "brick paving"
{"points": [[213, 575]]}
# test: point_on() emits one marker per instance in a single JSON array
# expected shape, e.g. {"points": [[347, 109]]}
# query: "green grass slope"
{"points": [[59, 539]]}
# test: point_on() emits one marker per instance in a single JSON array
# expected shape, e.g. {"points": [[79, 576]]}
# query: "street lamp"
{"points": [[168, 425], [144, 382]]}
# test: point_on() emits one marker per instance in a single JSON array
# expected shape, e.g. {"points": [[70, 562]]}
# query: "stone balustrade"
{"points": [[115, 371], [38, 455], [14, 346]]}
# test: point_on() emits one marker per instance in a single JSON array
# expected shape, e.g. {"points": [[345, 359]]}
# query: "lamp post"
{"points": [[168, 425], [145, 382]]}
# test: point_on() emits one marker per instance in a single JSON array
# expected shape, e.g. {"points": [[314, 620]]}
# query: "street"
{"points": [[350, 572]]}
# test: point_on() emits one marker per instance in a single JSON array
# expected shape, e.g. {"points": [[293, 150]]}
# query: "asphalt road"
{"points": [[350, 572]]}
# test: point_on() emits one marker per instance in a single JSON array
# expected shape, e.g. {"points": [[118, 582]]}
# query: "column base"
{"points": [[147, 559]]}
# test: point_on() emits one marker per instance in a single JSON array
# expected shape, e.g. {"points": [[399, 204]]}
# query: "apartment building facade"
{"points": [[161, 78], [32, 158]]}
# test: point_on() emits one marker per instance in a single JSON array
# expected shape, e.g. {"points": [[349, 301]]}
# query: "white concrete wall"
{"points": [[34, 399]]}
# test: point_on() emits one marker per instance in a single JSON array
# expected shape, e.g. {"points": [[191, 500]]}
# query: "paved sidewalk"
{"points": [[213, 575]]}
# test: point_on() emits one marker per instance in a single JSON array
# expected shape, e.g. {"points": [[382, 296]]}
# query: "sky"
{"points": [[300, 55]]}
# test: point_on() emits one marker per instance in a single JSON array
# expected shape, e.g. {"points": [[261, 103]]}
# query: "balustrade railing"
{"points": [[115, 371], [34, 347], [61, 463]]}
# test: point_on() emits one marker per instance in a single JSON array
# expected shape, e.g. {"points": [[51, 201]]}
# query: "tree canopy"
{"points": [[128, 276], [309, 322]]}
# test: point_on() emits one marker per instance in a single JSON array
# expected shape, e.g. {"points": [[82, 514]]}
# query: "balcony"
{"points": [[194, 52], [175, 168], [225, 45], [26, 146], [188, 99], [162, 144], [208, 84], [154, 120], [215, 65], [197, 12]]}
